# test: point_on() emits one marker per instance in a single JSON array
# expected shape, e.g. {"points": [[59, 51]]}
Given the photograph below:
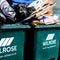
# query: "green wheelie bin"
{"points": [[46, 42], [12, 41]]}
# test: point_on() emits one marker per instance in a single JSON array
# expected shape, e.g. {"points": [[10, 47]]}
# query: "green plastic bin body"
{"points": [[46, 42], [12, 40]]}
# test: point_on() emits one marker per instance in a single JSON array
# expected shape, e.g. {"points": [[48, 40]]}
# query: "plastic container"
{"points": [[46, 42], [12, 41]]}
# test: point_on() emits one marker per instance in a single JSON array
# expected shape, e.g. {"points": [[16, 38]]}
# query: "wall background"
{"points": [[57, 3], [56, 9]]}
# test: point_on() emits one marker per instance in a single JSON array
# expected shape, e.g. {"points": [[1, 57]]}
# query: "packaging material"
{"points": [[7, 10], [45, 9], [39, 3], [37, 12], [40, 12], [50, 20], [47, 19], [36, 4]]}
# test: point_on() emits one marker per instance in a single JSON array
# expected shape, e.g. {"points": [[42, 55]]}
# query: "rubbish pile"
{"points": [[36, 13], [42, 13]]}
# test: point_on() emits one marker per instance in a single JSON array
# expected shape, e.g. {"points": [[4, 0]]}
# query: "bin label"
{"points": [[5, 47], [50, 36], [6, 41], [49, 42]]}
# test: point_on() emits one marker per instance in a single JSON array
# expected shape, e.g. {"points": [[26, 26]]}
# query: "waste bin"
{"points": [[12, 41], [46, 42]]}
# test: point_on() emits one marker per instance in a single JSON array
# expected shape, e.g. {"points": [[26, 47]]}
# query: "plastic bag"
{"points": [[7, 10], [21, 11]]}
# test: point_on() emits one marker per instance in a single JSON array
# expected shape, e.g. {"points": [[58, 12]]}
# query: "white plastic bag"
{"points": [[7, 9]]}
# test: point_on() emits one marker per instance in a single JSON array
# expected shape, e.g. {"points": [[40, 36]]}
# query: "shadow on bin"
{"points": [[28, 51]]}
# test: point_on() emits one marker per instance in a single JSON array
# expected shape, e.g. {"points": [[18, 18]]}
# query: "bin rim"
{"points": [[14, 26], [48, 26]]}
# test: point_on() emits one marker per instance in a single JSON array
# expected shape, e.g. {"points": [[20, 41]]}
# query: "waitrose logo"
{"points": [[6, 41], [49, 40], [5, 45]]}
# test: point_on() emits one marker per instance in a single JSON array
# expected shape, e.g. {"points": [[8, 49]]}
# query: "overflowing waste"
{"points": [[43, 12], [35, 13]]}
